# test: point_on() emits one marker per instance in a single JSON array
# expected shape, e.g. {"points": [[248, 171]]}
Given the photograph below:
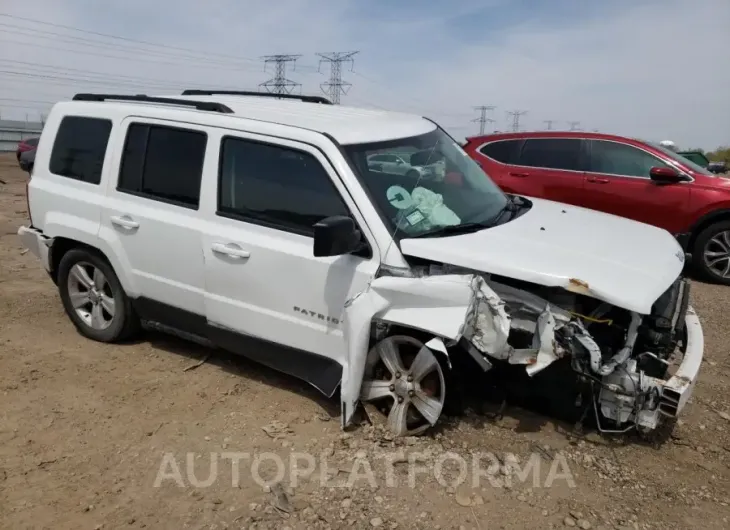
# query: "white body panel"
{"points": [[266, 283], [625, 263]]}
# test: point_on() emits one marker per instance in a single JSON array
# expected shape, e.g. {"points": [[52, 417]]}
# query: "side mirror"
{"points": [[665, 175], [335, 236]]}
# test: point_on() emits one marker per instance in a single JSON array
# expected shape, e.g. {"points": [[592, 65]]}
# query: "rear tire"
{"points": [[711, 253], [93, 297]]}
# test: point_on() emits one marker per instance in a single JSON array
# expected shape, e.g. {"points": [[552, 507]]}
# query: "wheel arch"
{"points": [[710, 218], [61, 246]]}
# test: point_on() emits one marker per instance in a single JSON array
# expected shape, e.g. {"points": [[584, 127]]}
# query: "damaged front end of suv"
{"points": [[637, 368]]}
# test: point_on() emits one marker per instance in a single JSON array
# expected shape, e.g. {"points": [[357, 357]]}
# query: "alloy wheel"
{"points": [[717, 254], [91, 295], [404, 377]]}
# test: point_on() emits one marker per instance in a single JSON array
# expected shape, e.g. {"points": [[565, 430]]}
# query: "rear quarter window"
{"points": [[80, 147], [504, 151]]}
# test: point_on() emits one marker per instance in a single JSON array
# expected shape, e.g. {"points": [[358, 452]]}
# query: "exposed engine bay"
{"points": [[621, 356]]}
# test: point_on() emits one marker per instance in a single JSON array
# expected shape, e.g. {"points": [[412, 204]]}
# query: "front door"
{"points": [[617, 182], [261, 277]]}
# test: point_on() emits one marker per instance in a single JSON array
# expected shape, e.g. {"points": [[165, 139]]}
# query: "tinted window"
{"points": [[621, 159], [553, 153], [276, 186], [31, 141], [79, 149], [163, 163], [505, 151]]}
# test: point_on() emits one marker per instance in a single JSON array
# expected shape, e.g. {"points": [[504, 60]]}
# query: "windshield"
{"points": [[682, 160], [425, 182]]}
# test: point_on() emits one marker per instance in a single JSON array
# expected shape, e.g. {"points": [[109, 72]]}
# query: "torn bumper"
{"points": [[678, 389], [40, 245]]}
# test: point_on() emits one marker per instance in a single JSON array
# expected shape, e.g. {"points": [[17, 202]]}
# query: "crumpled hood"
{"points": [[617, 260]]}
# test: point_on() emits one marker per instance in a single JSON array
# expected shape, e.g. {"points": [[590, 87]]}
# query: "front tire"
{"points": [[405, 380], [711, 253], [93, 297]]}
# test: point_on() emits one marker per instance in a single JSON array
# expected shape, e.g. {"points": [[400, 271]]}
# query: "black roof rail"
{"points": [[300, 97], [199, 105]]}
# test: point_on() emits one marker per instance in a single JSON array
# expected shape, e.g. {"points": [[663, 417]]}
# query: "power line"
{"points": [[516, 114], [482, 119], [574, 125], [73, 40], [549, 124], [40, 68], [279, 84], [118, 37], [136, 58], [58, 79], [336, 86]]}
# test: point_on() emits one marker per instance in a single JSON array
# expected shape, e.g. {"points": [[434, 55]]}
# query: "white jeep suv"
{"points": [[254, 223]]}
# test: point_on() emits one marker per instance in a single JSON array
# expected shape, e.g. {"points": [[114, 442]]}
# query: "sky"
{"points": [[653, 69]]}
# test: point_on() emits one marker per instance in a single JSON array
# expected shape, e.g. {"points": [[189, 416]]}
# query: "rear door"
{"points": [[617, 182], [152, 221], [549, 168], [496, 159]]}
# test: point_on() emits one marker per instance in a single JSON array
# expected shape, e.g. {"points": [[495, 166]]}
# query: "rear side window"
{"points": [[33, 142], [163, 163], [79, 149], [552, 153], [505, 151], [275, 186]]}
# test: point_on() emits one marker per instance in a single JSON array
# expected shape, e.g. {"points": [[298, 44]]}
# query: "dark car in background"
{"points": [[27, 144], [26, 160]]}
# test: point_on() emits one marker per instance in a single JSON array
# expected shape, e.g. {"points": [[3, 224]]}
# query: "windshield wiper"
{"points": [[463, 228]]}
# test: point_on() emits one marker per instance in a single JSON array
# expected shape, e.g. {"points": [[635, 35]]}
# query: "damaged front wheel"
{"points": [[404, 379]]}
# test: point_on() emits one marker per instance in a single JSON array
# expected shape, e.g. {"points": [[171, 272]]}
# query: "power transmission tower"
{"points": [[482, 119], [516, 118], [336, 87], [279, 84], [574, 125], [549, 124]]}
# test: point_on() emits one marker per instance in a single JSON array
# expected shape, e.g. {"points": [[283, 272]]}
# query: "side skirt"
{"points": [[322, 373]]}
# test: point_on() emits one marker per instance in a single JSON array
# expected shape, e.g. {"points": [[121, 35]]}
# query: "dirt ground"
{"points": [[85, 427]]}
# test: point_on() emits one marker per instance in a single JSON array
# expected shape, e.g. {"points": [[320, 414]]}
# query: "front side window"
{"points": [[614, 158], [163, 163], [275, 186], [552, 153], [441, 187], [682, 160], [80, 147]]}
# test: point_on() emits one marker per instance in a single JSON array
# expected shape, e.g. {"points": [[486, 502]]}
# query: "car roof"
{"points": [[549, 134], [347, 125]]}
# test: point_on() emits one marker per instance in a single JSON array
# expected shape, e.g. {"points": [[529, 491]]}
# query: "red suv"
{"points": [[621, 176]]}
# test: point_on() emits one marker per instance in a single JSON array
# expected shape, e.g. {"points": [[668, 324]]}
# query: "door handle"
{"points": [[598, 180], [124, 221], [231, 250], [520, 175]]}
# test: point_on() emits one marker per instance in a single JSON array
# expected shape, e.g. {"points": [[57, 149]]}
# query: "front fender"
{"points": [[443, 305]]}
